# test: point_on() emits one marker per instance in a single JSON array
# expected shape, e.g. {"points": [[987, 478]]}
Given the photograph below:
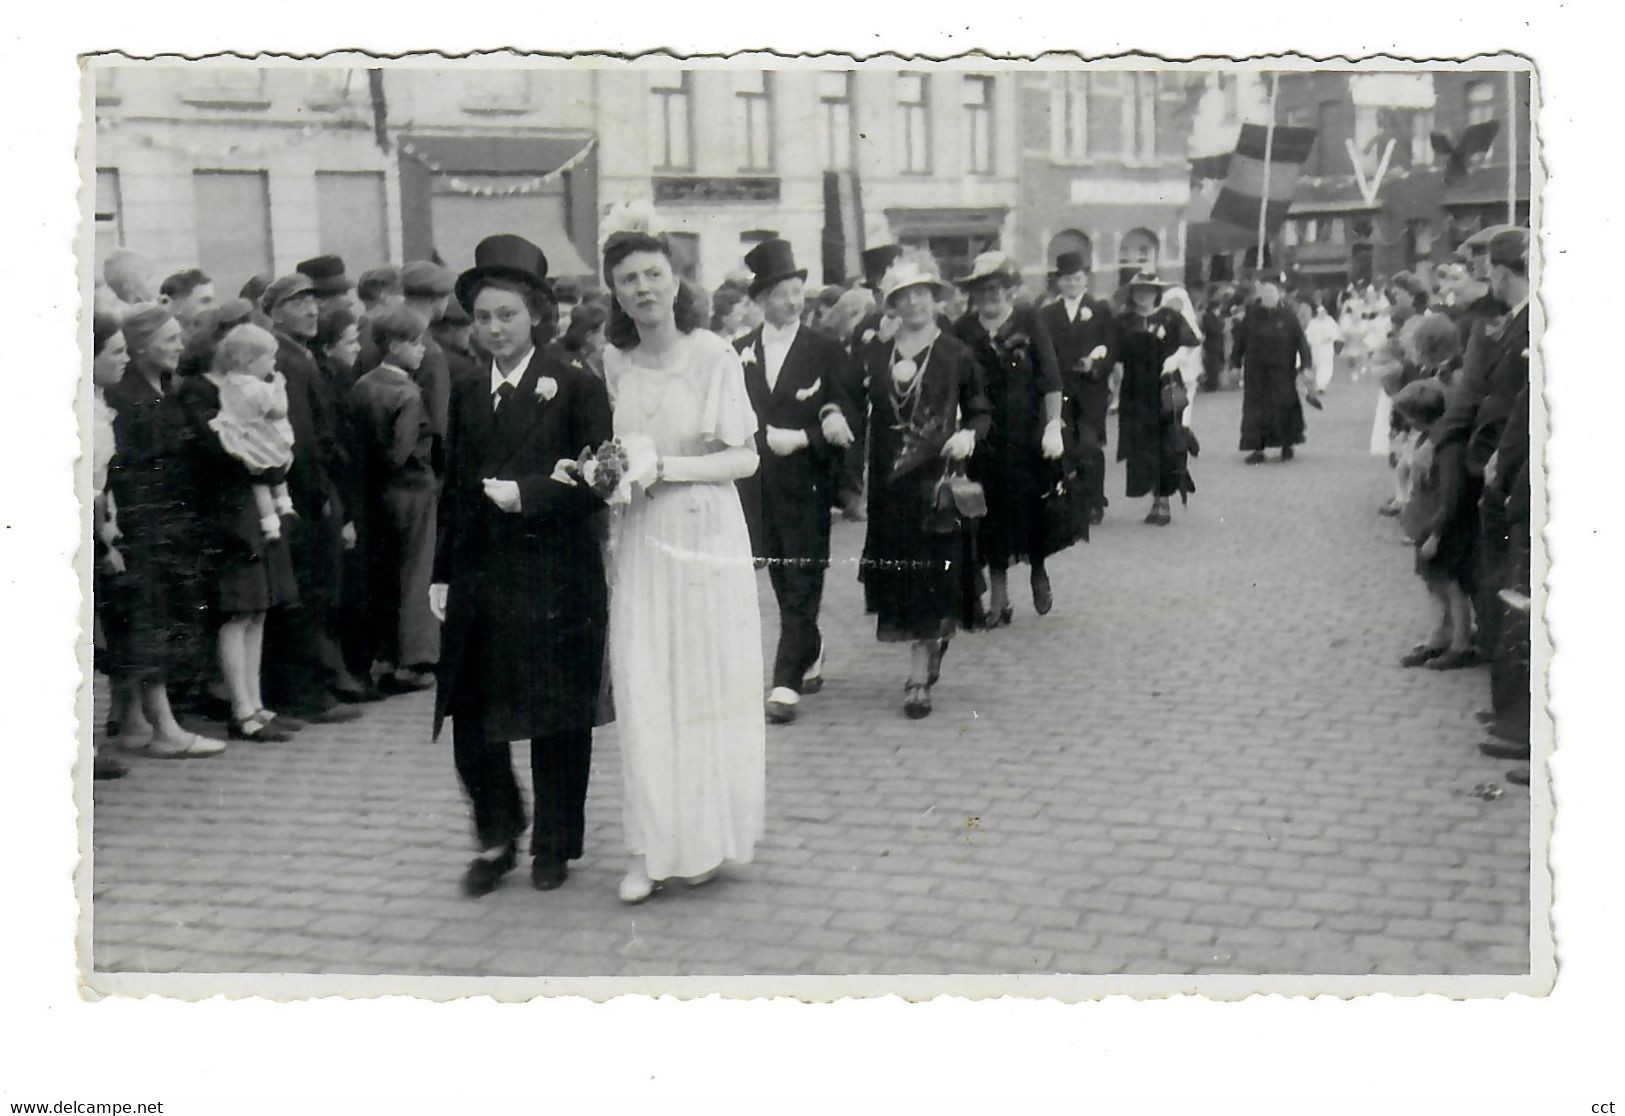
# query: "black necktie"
{"points": [[504, 390]]}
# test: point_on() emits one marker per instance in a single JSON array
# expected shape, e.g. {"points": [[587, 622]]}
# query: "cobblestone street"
{"points": [[1205, 760]]}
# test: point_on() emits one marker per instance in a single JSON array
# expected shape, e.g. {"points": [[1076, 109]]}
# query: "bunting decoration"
{"points": [[523, 188]]}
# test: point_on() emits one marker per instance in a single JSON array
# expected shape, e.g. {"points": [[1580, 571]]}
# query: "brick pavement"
{"points": [[1203, 761]]}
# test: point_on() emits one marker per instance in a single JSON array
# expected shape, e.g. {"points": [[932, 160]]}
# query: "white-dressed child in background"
{"points": [[253, 427]]}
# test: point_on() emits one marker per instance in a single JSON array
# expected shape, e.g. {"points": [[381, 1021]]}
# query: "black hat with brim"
{"points": [[772, 262], [1068, 263], [326, 274], [504, 256]]}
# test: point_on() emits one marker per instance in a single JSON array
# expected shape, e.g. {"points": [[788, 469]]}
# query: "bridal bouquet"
{"points": [[614, 467]]}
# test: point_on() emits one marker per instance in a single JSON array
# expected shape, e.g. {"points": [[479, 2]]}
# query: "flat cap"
{"points": [[1480, 240], [426, 279], [284, 288]]}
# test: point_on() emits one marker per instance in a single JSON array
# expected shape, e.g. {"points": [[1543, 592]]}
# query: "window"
{"points": [[1291, 234], [672, 126], [1105, 113], [1335, 233], [233, 220], [914, 125], [1421, 137], [350, 218], [685, 254], [1139, 249], [753, 119], [1481, 107], [1069, 116], [1141, 127], [1230, 94], [109, 213], [979, 124], [835, 119]]}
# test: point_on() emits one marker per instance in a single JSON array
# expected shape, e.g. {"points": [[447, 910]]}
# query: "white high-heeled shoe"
{"points": [[636, 886]]}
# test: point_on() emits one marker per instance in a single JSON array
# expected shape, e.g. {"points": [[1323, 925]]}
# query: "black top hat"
{"points": [[326, 274], [504, 256], [771, 262], [877, 260], [1068, 263]]}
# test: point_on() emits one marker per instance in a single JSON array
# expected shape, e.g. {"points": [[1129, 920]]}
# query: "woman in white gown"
{"points": [[685, 629]]}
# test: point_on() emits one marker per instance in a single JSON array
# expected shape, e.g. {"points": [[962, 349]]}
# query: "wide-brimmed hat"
{"points": [[878, 260], [1069, 263], [910, 273], [504, 256], [1436, 341], [992, 267], [772, 262], [1145, 278], [326, 275], [1479, 242]]}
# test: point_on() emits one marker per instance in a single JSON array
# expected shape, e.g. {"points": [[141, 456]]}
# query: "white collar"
{"points": [[498, 379], [779, 335]]}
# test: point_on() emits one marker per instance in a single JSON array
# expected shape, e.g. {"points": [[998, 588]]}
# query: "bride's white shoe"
{"points": [[637, 886]]}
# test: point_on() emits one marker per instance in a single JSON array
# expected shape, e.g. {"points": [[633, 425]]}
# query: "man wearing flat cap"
{"points": [[302, 659], [1084, 333], [797, 381]]}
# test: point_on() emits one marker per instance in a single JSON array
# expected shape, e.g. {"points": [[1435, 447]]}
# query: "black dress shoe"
{"points": [[482, 875], [1286, 453], [1254, 458], [1043, 596], [1519, 775], [1497, 749], [332, 715], [404, 683], [106, 767], [360, 695], [1096, 514], [547, 874]]}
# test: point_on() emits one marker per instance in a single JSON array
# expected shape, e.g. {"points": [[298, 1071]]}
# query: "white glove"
{"points": [[835, 429], [503, 493], [960, 446], [565, 471], [888, 327], [1097, 353], [1052, 444], [783, 442], [438, 592]]}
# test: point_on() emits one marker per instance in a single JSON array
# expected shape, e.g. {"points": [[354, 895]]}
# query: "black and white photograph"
{"points": [[749, 524]]}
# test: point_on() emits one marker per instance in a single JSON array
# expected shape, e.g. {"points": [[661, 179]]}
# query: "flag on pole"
{"points": [[1243, 191]]}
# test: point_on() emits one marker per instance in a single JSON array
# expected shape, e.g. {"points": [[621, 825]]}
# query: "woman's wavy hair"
{"points": [[622, 331]]}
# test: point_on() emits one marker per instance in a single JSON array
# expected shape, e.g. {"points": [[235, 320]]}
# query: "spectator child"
{"points": [[1438, 517], [253, 421]]}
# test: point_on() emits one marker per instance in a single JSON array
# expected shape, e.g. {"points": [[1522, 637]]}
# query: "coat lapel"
{"points": [[515, 421], [788, 382], [756, 374]]}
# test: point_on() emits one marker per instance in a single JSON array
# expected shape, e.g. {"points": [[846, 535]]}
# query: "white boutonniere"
{"points": [[868, 336], [546, 388], [1161, 333], [1084, 314], [1097, 353], [811, 390], [748, 357]]}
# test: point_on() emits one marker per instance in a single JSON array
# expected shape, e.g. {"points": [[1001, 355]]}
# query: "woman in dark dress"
{"points": [[1270, 350], [1151, 435], [926, 403], [244, 573], [1014, 463], [152, 619]]}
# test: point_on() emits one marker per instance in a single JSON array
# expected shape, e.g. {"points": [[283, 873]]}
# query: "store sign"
{"points": [[699, 190]]}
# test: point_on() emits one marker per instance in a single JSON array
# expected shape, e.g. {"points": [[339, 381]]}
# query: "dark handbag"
{"points": [[1064, 512], [1174, 397], [954, 499]]}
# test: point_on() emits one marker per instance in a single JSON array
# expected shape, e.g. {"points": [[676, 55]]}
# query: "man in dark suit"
{"points": [[1085, 336], [303, 663], [796, 378], [518, 573]]}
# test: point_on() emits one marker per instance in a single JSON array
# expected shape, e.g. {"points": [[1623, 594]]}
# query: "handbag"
{"points": [[1174, 397], [1064, 512], [954, 499]]}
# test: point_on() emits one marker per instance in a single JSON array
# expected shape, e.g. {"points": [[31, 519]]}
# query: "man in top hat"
{"points": [[1084, 333], [518, 572], [327, 276], [303, 663], [797, 379]]}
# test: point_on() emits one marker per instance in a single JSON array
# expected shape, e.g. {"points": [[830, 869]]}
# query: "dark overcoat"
{"points": [[523, 642], [793, 489], [1150, 442], [1271, 349], [1019, 368], [1087, 390]]}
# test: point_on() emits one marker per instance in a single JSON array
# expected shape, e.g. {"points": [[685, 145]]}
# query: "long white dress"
{"points": [[1323, 334], [685, 627]]}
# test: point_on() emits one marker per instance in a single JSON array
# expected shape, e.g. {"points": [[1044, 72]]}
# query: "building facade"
{"points": [[1104, 171]]}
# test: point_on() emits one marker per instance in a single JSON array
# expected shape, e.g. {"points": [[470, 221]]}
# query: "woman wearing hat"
{"points": [[1271, 350], [518, 574], [1022, 382], [686, 641], [1151, 439], [926, 403], [153, 620]]}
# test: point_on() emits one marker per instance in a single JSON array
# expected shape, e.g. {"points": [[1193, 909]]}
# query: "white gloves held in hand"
{"points": [[960, 446], [1052, 444], [783, 441], [503, 493], [438, 592]]}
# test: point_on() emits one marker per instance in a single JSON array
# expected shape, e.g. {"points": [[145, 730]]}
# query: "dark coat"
{"points": [[1151, 442], [794, 489], [152, 615], [1271, 348], [1507, 374], [1018, 367], [313, 540], [523, 641], [912, 576], [1087, 389]]}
